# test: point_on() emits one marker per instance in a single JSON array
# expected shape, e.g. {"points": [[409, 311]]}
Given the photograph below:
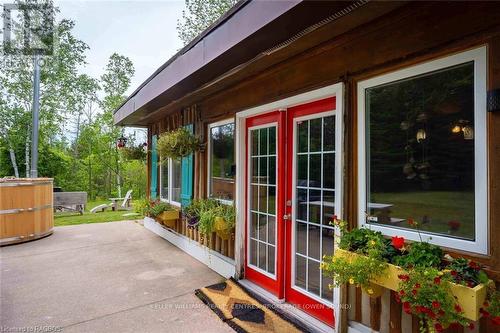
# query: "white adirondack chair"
{"points": [[125, 205]]}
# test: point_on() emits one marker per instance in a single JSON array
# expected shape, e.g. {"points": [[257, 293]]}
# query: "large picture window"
{"points": [[222, 169], [170, 181], [423, 151]]}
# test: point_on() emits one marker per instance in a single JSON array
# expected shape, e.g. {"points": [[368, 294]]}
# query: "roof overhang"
{"points": [[250, 29]]}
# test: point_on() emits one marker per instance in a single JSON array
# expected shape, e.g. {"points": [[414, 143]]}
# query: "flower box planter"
{"points": [[469, 299], [221, 229], [169, 218]]}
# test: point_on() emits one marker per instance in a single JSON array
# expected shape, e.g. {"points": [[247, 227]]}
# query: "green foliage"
{"points": [[420, 254], [424, 295], [142, 206], [358, 270], [491, 308], [77, 143], [199, 15], [207, 210], [361, 269], [157, 207], [466, 272], [177, 144]]}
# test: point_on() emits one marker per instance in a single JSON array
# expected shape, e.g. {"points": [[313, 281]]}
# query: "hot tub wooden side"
{"points": [[26, 209]]}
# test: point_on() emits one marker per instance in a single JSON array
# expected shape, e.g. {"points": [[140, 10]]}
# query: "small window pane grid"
{"points": [[262, 170], [314, 198], [222, 165], [170, 181], [420, 152]]}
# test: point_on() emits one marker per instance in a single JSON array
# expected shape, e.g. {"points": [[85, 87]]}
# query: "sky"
{"points": [[144, 31]]}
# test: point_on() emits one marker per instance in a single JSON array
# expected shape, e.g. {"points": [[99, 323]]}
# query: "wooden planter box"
{"points": [[169, 218], [220, 228], [470, 299]]}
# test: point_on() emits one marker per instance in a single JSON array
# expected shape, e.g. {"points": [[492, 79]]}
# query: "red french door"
{"points": [[290, 203]]}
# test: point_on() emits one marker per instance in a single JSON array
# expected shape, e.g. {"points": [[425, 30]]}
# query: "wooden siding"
{"points": [[414, 33]]}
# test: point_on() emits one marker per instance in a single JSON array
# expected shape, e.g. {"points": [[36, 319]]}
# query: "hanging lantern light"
{"points": [[421, 135], [468, 132], [122, 141], [456, 129]]}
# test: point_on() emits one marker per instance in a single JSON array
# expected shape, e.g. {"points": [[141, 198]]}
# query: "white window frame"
{"points": [[479, 57], [209, 159], [170, 174]]}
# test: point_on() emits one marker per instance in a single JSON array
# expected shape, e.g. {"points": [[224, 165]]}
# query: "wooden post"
{"points": [[395, 314], [375, 309], [217, 244]]}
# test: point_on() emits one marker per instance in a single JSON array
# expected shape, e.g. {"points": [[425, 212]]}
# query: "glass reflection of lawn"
{"points": [[447, 212]]}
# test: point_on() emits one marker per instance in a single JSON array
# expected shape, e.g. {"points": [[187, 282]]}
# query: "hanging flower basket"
{"points": [[178, 143], [470, 299]]}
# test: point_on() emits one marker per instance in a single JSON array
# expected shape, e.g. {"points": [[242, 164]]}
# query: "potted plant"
{"points": [[164, 213], [178, 143], [225, 221], [440, 290]]}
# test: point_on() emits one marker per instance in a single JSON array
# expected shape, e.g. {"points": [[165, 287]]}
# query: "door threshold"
{"points": [[313, 324]]}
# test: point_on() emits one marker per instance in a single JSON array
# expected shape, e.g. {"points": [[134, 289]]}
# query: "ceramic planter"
{"points": [[169, 218], [221, 229], [470, 299]]}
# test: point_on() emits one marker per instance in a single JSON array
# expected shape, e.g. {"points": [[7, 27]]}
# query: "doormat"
{"points": [[243, 312]]}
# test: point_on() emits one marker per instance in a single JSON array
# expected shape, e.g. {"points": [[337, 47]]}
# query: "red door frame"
{"points": [[282, 286], [306, 303], [276, 287]]}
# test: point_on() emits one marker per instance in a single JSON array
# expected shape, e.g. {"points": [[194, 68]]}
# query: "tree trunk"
{"points": [[13, 161]]}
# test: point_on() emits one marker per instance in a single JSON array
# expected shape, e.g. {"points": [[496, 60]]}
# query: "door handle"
{"points": [[287, 217]]}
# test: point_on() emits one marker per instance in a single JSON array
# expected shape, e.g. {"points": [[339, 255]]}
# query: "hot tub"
{"points": [[26, 209]]}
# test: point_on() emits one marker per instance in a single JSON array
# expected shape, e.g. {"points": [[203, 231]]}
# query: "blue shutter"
{"points": [[154, 168], [187, 176]]}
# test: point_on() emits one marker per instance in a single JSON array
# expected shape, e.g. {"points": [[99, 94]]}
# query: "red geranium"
{"points": [[398, 242], [403, 277], [436, 304], [437, 280], [458, 308], [438, 327], [496, 320]]}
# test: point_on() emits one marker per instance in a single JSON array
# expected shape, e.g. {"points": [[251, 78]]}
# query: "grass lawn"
{"points": [[438, 207], [70, 218]]}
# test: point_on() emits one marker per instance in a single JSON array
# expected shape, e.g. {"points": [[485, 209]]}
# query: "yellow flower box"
{"points": [[221, 229], [169, 218], [469, 299]]}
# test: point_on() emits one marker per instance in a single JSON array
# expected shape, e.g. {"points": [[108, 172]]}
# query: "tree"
{"points": [[58, 74], [199, 15]]}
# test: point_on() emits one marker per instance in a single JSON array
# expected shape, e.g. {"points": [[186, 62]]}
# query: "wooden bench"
{"points": [[74, 201]]}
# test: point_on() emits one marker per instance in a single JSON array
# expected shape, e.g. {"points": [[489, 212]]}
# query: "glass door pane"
{"points": [[314, 202], [262, 199]]}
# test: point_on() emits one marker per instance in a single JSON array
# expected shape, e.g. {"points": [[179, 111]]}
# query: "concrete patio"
{"points": [[104, 277]]}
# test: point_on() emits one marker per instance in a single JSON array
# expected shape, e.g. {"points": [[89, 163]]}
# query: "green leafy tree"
{"points": [[199, 15]]}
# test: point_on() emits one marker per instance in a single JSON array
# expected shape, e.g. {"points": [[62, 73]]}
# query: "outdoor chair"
{"points": [[125, 205]]}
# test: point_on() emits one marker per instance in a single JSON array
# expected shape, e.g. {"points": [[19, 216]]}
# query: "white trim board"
{"points": [[212, 259]]}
